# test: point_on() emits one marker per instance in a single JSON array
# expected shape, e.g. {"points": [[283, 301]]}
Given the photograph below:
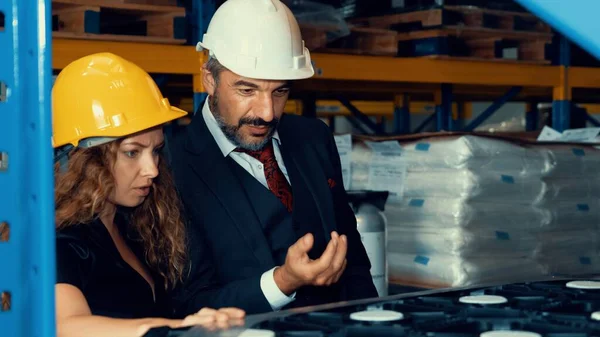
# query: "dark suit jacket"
{"points": [[228, 249]]}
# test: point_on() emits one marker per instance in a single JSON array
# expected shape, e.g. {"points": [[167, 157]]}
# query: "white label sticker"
{"points": [[548, 134], [587, 135], [583, 135], [375, 246], [344, 146], [387, 173], [386, 148]]}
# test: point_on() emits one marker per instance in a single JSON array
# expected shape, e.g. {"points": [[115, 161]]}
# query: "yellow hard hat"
{"points": [[104, 95]]}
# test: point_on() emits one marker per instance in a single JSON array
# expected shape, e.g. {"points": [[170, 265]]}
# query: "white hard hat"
{"points": [[258, 39]]}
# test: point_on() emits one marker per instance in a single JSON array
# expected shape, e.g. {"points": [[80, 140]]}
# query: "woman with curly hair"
{"points": [[120, 232]]}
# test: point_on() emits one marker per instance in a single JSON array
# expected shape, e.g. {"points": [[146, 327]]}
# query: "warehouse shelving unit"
{"points": [[26, 178], [382, 78], [28, 56]]}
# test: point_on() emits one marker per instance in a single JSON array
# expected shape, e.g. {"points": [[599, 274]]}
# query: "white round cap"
{"points": [[509, 333], [596, 316], [257, 333], [483, 299], [377, 315], [584, 284]]}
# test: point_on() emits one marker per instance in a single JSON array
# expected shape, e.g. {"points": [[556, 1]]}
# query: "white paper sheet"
{"points": [[548, 134], [387, 170], [584, 135]]}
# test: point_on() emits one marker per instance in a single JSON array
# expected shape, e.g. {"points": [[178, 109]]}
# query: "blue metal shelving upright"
{"points": [[27, 271], [201, 13]]}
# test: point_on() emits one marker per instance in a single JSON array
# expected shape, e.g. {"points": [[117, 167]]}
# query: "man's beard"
{"points": [[232, 132]]}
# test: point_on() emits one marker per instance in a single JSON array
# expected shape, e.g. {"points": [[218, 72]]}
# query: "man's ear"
{"points": [[208, 81]]}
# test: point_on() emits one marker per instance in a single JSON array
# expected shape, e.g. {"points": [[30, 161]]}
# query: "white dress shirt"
{"points": [[273, 294]]}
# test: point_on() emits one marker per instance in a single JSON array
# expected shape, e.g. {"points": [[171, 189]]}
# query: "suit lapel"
{"points": [[307, 163], [212, 168]]}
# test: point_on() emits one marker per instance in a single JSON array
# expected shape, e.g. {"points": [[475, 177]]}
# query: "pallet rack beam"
{"points": [[401, 114], [152, 57], [592, 120], [360, 116], [27, 240], [443, 101], [562, 94], [426, 122], [492, 109], [425, 70]]}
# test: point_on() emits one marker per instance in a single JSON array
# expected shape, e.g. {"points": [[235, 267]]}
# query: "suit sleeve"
{"points": [[200, 288], [356, 282]]}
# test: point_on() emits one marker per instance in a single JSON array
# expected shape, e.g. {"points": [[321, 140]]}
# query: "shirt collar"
{"points": [[225, 145]]}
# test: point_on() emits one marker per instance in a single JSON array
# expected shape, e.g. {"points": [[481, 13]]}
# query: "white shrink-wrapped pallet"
{"points": [[463, 242], [569, 189], [472, 209], [474, 185], [461, 213], [578, 213], [572, 161], [465, 152], [441, 270]]}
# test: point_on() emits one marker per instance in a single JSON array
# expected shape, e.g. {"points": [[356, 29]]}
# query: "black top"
{"points": [[88, 259]]}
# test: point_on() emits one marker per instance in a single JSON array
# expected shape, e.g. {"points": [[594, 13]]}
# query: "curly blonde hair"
{"points": [[82, 192]]}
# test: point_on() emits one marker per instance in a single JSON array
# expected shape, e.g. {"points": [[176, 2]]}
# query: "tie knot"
{"points": [[263, 155]]}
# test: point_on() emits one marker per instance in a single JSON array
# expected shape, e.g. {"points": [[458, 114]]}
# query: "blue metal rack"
{"points": [[201, 13], [26, 174]]}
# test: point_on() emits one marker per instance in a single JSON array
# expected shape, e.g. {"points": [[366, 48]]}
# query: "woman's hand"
{"points": [[211, 318]]}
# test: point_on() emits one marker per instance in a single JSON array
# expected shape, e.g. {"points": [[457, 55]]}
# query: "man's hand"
{"points": [[299, 270]]}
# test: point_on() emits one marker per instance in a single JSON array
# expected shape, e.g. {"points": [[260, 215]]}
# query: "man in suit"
{"points": [[270, 226]]}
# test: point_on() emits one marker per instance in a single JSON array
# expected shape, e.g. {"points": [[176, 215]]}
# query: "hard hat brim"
{"points": [[139, 125]]}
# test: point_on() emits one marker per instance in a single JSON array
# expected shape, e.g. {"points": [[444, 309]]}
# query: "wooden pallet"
{"points": [[456, 15], [452, 31], [476, 43], [368, 41], [119, 20], [453, 41]]}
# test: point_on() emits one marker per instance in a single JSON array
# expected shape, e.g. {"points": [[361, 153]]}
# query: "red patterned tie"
{"points": [[275, 177]]}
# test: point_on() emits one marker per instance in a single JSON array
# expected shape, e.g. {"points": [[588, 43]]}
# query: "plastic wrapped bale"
{"points": [[565, 264], [457, 212], [437, 271], [570, 252], [462, 242], [569, 242], [469, 184], [571, 188], [573, 161], [464, 152], [573, 214]]}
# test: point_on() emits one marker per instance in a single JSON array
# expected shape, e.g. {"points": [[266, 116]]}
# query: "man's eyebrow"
{"points": [[242, 83], [286, 85]]}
